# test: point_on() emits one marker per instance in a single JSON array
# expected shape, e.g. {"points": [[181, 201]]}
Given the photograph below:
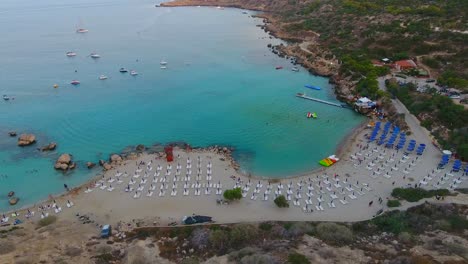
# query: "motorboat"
{"points": [[123, 70], [56, 86], [163, 67], [279, 67], [75, 82], [95, 55], [313, 87], [6, 97], [163, 63], [133, 73], [71, 54], [82, 30], [102, 77], [295, 69]]}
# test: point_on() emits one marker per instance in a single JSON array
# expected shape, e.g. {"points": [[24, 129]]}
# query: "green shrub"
{"points": [[219, 240], [296, 258], [394, 222], [416, 194], [233, 194], [281, 202], [405, 237], [265, 226], [47, 221], [393, 203], [334, 233], [241, 234]]}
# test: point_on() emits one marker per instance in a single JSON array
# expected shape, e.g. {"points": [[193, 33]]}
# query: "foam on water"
{"points": [[220, 88]]}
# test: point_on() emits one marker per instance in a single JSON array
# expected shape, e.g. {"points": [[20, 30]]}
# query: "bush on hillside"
{"points": [[334, 233], [296, 258], [416, 194]]}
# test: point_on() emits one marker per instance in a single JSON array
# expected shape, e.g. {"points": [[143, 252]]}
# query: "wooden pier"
{"points": [[300, 95]]}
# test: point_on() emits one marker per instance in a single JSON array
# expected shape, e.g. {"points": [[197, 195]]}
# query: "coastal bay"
{"points": [[220, 87]]}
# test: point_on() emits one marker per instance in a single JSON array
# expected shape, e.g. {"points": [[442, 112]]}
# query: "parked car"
{"points": [[430, 80]]}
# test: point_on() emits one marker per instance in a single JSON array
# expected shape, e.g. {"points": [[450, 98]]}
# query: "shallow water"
{"points": [[220, 88]]}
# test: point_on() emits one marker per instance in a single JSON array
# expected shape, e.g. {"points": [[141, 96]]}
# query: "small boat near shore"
{"points": [[133, 73], [103, 77], [82, 30], [295, 69], [163, 63], [71, 54], [123, 70], [278, 67], [95, 55], [75, 82], [163, 67], [6, 97], [313, 87]]}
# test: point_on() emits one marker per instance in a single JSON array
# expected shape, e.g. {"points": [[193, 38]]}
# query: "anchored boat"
{"points": [[102, 77], [95, 55], [6, 97], [123, 70], [71, 54], [82, 30], [75, 82], [312, 87]]}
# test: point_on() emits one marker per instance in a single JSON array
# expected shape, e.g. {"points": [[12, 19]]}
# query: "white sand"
{"points": [[112, 207]]}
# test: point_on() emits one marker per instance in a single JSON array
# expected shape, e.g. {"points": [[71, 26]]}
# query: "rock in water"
{"points": [[64, 162], [90, 165], [49, 147], [13, 200], [26, 139], [12, 133], [140, 148]]}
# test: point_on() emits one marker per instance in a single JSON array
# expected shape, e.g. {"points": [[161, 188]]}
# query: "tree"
{"points": [[281, 202], [233, 194]]}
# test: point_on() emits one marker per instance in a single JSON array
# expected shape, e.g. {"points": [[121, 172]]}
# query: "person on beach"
{"points": [[370, 203], [66, 187]]}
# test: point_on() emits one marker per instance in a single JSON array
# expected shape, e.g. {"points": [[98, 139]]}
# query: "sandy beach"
{"points": [[162, 193]]}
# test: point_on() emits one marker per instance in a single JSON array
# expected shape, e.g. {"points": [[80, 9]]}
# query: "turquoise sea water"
{"points": [[220, 88]]}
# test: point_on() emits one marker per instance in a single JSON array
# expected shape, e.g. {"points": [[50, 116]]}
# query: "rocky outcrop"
{"points": [[64, 163], [51, 146], [12, 133], [140, 148], [13, 200], [90, 165], [106, 166], [115, 159], [26, 139]]}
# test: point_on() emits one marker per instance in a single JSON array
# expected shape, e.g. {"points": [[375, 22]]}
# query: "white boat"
{"points": [[163, 63], [133, 73], [95, 55], [6, 97], [295, 69], [163, 67], [102, 77], [82, 30], [71, 54]]}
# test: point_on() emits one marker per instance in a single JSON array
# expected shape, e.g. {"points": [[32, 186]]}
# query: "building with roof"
{"points": [[403, 65]]}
